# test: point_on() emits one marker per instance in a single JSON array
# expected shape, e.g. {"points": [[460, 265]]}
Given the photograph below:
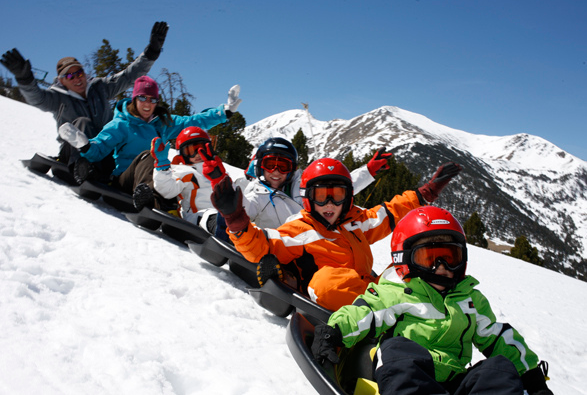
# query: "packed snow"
{"points": [[91, 304]]}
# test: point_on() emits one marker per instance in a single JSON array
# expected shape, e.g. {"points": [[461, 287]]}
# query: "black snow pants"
{"points": [[404, 367]]}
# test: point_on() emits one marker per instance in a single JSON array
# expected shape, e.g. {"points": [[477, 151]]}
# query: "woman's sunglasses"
{"points": [[143, 99]]}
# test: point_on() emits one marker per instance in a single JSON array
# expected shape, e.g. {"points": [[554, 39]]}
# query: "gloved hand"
{"points": [[16, 64], [158, 34], [267, 268], [379, 162], [73, 135], [233, 100], [160, 152], [229, 203], [326, 340], [441, 178], [213, 168]]}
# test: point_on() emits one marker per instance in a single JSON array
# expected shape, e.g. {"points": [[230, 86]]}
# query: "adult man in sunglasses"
{"points": [[427, 315], [75, 99]]}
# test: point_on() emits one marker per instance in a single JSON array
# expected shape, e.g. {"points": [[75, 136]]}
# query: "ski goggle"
{"points": [[322, 194], [143, 99], [430, 256], [71, 76], [279, 163], [190, 150]]}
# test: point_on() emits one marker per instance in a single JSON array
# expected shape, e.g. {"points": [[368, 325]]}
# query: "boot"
{"points": [[82, 170], [142, 197]]}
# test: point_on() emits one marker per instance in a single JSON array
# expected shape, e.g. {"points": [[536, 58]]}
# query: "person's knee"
{"points": [[399, 348]]}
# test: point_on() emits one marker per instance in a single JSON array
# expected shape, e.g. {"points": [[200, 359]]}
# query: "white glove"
{"points": [[233, 100], [73, 135]]}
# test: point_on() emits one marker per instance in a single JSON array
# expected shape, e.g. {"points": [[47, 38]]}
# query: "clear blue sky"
{"points": [[496, 67]]}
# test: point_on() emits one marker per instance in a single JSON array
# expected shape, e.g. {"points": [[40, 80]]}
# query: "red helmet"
{"points": [[424, 222], [190, 135], [324, 170]]}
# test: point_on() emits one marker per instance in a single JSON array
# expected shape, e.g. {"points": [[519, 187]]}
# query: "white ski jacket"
{"points": [[191, 187], [270, 208]]}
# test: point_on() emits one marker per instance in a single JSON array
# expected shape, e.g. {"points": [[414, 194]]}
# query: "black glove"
{"points": [[534, 380], [21, 68], [229, 203], [326, 340], [267, 268], [158, 34], [441, 178]]}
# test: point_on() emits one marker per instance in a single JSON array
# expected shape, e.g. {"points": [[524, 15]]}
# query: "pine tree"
{"points": [[106, 61], [299, 141], [523, 250], [475, 231], [229, 142], [388, 183], [182, 107], [9, 90]]}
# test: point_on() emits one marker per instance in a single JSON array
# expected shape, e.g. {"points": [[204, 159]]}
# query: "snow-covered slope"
{"points": [[538, 182], [89, 304]]}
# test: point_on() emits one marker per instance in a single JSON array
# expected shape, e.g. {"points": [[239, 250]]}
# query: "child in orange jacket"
{"points": [[330, 238]]}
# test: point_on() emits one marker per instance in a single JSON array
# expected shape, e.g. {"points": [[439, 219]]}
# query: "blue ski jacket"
{"points": [[128, 135]]}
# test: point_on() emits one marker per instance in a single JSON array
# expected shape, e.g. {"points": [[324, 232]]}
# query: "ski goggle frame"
{"points": [[429, 256], [279, 163], [192, 149], [322, 194]]}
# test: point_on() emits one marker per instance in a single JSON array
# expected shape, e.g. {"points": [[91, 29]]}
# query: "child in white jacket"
{"points": [[184, 180], [274, 195]]}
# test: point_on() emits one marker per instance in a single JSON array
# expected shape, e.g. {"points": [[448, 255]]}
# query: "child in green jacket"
{"points": [[427, 315]]}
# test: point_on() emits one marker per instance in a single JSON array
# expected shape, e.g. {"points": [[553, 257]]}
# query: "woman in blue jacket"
{"points": [[136, 122]]}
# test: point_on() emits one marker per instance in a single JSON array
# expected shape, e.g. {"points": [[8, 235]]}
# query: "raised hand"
{"points": [[18, 66], [440, 179], [229, 203], [233, 100], [158, 34], [213, 169], [379, 162], [160, 152]]}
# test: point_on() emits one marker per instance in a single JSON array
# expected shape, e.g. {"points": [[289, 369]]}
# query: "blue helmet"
{"points": [[276, 145]]}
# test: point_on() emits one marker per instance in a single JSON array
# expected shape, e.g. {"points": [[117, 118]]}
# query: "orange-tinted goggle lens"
{"points": [[190, 150], [271, 163], [322, 194], [430, 256]]}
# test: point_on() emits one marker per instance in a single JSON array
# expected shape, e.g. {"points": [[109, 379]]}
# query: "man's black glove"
{"points": [[267, 268], [534, 380], [158, 34], [441, 178], [326, 341], [229, 203], [21, 68]]}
